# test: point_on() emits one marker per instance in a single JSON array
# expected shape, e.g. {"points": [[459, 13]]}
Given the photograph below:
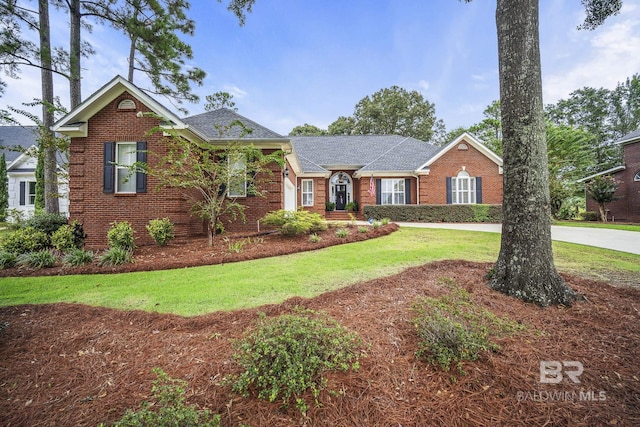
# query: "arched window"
{"points": [[127, 104], [463, 189]]}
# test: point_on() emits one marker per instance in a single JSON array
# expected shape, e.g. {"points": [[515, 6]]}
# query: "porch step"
{"points": [[339, 215]]}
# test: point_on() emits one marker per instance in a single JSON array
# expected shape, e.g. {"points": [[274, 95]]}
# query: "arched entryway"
{"points": [[340, 190]]}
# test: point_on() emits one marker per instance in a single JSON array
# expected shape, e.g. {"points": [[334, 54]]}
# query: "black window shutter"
{"points": [[378, 191], [141, 176], [23, 193], [449, 194], [407, 191], [109, 170], [479, 190]]}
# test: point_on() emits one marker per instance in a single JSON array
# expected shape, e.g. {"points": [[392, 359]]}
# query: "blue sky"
{"points": [[310, 61]]}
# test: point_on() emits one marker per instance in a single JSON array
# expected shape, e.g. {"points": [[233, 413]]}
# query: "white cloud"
{"points": [[235, 91], [424, 85], [601, 58]]}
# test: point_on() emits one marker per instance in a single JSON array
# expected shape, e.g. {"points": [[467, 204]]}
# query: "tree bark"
{"points": [[525, 267], [75, 86], [47, 138]]}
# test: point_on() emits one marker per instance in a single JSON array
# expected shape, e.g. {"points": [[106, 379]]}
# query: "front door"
{"points": [[341, 196]]}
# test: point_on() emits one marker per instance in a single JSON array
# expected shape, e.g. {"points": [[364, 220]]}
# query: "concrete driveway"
{"points": [[617, 240]]}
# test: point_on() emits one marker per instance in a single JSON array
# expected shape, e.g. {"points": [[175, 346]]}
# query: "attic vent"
{"points": [[637, 177], [463, 146], [127, 104]]}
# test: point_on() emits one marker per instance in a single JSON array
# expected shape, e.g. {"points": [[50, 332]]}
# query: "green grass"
{"points": [[199, 290], [593, 224]]}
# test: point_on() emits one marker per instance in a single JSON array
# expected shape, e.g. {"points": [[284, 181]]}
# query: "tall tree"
{"points": [[4, 188], [525, 267], [342, 126], [220, 100], [489, 130], [624, 107], [395, 110], [47, 137], [307, 130]]}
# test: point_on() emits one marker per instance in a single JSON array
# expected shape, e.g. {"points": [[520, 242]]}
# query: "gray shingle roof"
{"points": [[16, 138], [212, 123], [372, 153], [635, 135]]}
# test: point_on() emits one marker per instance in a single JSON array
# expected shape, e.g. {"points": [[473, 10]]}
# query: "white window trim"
{"points": [[27, 194], [232, 164], [388, 186], [119, 166], [308, 201], [458, 196]]}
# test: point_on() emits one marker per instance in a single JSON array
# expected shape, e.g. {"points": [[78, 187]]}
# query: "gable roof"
{"points": [[363, 153], [469, 139], [75, 122], [14, 140], [211, 124], [204, 126], [373, 154]]}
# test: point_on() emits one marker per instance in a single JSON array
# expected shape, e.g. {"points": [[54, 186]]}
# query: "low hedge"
{"points": [[435, 213]]}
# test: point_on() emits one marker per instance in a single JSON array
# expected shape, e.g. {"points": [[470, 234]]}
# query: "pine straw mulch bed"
{"points": [[197, 252], [67, 364]]}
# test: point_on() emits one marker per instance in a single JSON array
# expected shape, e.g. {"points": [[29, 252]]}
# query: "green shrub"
{"points": [[235, 246], [435, 213], [7, 259], [77, 257], [168, 408], [375, 225], [78, 234], [48, 223], [385, 221], [120, 236], [115, 256], [329, 206], [453, 329], [363, 229], [314, 238], [286, 356], [342, 233], [161, 230], [590, 216], [25, 240], [63, 238], [292, 223], [40, 259]]}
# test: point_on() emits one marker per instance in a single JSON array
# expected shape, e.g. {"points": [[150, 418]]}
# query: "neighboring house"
{"points": [[627, 207], [393, 170], [364, 169], [20, 145]]}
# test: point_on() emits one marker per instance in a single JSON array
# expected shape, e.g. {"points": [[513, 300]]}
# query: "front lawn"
{"points": [[199, 290]]}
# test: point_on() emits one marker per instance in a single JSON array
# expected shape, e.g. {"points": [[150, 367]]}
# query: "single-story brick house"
{"points": [[367, 169], [392, 169], [20, 147], [627, 207]]}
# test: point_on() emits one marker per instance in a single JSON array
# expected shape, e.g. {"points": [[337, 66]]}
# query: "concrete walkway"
{"points": [[617, 240]]}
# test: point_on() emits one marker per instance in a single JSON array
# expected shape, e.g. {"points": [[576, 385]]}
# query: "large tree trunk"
{"points": [[75, 85], [47, 139], [525, 267]]}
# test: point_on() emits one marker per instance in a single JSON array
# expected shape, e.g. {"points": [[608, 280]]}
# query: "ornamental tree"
{"points": [[213, 176], [602, 190]]}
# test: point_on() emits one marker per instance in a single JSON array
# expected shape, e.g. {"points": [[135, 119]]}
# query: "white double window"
{"points": [[392, 192]]}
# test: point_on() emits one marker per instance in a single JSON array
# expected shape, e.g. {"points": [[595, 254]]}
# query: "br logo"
{"points": [[553, 371]]}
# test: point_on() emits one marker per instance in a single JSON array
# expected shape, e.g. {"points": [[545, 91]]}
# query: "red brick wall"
{"points": [[433, 187], [97, 210], [320, 194], [627, 208]]}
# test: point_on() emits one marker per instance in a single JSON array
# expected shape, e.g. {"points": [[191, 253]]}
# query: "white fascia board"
{"points": [[22, 157], [608, 171], [71, 122], [469, 139]]}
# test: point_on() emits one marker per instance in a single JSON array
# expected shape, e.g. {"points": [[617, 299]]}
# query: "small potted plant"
{"points": [[351, 207], [329, 206]]}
